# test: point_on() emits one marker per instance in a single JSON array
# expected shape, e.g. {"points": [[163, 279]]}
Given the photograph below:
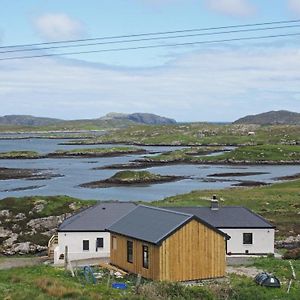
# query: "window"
{"points": [[86, 245], [247, 238], [100, 243], [130, 251], [145, 257], [114, 243]]}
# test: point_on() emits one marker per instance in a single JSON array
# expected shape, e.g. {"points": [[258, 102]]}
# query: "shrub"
{"points": [[292, 254]]}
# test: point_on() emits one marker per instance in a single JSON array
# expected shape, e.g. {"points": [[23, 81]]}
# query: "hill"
{"points": [[26, 120], [111, 120], [271, 118], [142, 118]]}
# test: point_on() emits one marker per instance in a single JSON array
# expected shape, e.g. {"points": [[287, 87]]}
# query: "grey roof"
{"points": [[152, 224], [227, 216], [97, 217]]}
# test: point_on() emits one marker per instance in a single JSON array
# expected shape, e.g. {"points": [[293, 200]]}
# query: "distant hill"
{"points": [[271, 118], [26, 120], [143, 118], [111, 120]]}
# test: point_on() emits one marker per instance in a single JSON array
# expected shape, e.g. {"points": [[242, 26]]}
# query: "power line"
{"points": [[150, 39], [154, 46], [152, 33]]}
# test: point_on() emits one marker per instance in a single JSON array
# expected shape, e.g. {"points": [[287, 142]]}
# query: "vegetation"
{"points": [[98, 152], [279, 203], [19, 154], [130, 178], [202, 134], [45, 282]]}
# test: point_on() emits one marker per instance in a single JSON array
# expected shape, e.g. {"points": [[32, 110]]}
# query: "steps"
{"points": [[52, 244]]}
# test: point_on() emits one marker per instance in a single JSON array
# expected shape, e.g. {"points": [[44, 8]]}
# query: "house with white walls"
{"points": [[84, 234], [250, 233]]}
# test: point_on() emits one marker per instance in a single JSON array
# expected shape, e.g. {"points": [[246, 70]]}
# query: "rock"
{"points": [[73, 206], [4, 232], [290, 242], [4, 213], [47, 222], [11, 240], [38, 208], [24, 248], [20, 216]]}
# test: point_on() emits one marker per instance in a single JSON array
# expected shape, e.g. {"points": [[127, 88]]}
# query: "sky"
{"points": [[204, 82]]}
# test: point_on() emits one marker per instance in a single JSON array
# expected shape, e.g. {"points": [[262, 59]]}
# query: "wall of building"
{"points": [[74, 241], [193, 252], [263, 241], [118, 257]]}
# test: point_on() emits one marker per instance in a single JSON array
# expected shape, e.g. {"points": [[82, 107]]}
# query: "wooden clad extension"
{"points": [[194, 251]]}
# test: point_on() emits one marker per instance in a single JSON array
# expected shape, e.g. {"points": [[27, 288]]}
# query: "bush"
{"points": [[292, 254]]}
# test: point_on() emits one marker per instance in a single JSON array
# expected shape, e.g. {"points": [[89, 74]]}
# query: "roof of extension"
{"points": [[97, 217], [152, 224], [227, 216]]}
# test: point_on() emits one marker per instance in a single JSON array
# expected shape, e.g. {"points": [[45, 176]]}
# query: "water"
{"points": [[80, 170]]}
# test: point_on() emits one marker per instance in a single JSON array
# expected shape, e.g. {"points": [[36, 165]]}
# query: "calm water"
{"points": [[79, 170]]}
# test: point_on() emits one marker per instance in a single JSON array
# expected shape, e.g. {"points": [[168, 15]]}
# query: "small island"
{"points": [[20, 155], [97, 152], [129, 178]]}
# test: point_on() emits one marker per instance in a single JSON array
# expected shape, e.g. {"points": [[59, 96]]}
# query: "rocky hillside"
{"points": [[25, 120], [26, 224], [271, 118], [142, 118]]}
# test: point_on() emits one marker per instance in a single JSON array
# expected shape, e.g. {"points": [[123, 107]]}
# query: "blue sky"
{"points": [[201, 83]]}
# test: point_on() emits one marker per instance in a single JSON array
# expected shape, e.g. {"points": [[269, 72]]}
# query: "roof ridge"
{"points": [[167, 210]]}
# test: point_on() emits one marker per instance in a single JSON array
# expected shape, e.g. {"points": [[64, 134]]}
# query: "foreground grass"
{"points": [[45, 282], [279, 203]]}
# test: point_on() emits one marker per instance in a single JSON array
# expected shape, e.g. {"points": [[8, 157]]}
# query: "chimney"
{"points": [[214, 203]]}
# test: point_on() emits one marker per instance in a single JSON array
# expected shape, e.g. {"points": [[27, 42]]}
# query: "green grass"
{"points": [[19, 154], [279, 203], [135, 176], [98, 151], [45, 282], [203, 134], [263, 153]]}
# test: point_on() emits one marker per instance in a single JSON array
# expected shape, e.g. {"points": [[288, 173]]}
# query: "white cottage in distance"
{"points": [[85, 233]]}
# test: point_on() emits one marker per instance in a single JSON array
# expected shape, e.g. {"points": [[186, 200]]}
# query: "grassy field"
{"points": [[203, 134], [279, 203], [45, 282]]}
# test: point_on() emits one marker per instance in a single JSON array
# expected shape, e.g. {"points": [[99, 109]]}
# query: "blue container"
{"points": [[119, 286]]}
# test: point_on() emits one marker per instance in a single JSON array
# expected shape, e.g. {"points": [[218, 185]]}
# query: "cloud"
{"points": [[294, 6], [58, 27], [211, 84], [240, 8]]}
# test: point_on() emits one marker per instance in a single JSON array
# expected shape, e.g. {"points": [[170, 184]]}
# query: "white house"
{"points": [[249, 232], [85, 233]]}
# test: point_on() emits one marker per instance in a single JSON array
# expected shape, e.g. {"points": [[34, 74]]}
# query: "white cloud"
{"points": [[294, 6], [238, 8], [208, 85], [58, 26]]}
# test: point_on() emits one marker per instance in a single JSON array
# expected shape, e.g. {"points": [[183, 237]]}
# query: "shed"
{"points": [[161, 244]]}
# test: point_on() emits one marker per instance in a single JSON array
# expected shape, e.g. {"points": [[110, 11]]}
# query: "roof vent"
{"points": [[103, 208], [214, 203]]}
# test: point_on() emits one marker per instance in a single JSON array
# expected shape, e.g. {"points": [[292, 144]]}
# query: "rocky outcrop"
{"points": [[290, 242]]}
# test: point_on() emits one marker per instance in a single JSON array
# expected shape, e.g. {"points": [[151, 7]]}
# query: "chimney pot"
{"points": [[214, 203]]}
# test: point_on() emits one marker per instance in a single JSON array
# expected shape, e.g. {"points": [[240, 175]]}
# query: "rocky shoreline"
{"points": [[28, 174]]}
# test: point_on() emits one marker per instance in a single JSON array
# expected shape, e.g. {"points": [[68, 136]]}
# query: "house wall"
{"points": [[263, 241], [193, 252], [74, 241], [118, 257]]}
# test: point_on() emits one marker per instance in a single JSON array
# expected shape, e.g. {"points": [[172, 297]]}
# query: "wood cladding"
{"points": [[192, 252]]}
